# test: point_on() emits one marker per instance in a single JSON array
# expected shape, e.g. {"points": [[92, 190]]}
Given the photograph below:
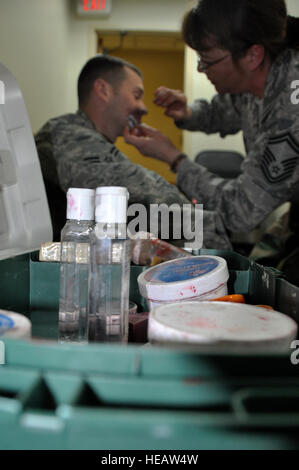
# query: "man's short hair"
{"points": [[111, 69]]}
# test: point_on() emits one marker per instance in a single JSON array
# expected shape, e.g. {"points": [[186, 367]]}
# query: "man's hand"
{"points": [[151, 143], [174, 101]]}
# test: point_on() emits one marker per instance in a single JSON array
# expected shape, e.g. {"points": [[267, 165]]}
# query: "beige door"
{"points": [[161, 61]]}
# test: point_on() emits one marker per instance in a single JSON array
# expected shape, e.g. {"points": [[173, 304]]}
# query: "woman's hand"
{"points": [[152, 143], [174, 101]]}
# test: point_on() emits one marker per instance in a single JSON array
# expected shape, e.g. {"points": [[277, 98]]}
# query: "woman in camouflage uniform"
{"points": [[249, 50]]}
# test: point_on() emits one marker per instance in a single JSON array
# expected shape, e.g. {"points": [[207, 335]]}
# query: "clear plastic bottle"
{"points": [[109, 274], [74, 263]]}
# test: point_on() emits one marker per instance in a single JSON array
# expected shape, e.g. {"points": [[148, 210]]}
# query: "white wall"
{"points": [[34, 44], [293, 7], [45, 45]]}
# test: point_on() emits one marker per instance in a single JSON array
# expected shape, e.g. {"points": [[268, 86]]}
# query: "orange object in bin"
{"points": [[237, 298]]}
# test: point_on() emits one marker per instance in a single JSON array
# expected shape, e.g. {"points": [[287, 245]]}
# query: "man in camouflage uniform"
{"points": [[256, 94], [77, 150]]}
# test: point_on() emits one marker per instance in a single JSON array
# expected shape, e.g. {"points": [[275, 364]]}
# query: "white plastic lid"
{"points": [[111, 204], [216, 323], [183, 278], [80, 204], [14, 325]]}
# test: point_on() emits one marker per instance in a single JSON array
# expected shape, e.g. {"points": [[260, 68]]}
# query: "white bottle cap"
{"points": [[80, 204], [111, 204]]}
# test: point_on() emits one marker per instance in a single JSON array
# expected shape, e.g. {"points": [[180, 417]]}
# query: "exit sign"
{"points": [[98, 8]]}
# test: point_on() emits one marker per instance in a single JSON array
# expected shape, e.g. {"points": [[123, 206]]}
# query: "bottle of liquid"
{"points": [[109, 273], [74, 263]]}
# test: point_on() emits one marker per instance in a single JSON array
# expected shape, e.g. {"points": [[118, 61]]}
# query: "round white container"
{"points": [[14, 325], [222, 326], [180, 280]]}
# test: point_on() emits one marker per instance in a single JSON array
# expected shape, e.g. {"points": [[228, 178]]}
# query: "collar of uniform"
{"points": [[90, 125], [276, 80], [87, 122]]}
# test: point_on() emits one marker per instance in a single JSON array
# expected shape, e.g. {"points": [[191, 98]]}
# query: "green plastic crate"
{"points": [[104, 397], [32, 287], [56, 396]]}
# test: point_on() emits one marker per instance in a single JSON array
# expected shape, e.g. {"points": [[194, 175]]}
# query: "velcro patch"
{"points": [[280, 158]]}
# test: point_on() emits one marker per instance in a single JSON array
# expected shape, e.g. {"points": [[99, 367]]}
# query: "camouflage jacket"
{"points": [[73, 153], [270, 171]]}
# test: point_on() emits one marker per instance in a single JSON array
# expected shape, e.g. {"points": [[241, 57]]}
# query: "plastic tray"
{"points": [[141, 397]]}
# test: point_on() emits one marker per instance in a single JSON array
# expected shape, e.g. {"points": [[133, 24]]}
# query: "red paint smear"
{"points": [[202, 323], [71, 201], [188, 288]]}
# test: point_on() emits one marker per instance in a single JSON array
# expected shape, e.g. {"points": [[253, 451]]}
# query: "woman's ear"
{"points": [[255, 56]]}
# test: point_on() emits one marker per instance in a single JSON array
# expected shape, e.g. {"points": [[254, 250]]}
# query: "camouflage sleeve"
{"points": [[88, 160], [145, 187], [220, 115], [45, 154], [84, 158], [269, 178]]}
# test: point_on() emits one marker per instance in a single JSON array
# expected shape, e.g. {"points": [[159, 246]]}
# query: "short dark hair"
{"points": [[236, 25], [111, 69]]}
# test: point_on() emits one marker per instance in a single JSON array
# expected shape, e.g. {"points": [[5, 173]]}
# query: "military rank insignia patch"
{"points": [[280, 158]]}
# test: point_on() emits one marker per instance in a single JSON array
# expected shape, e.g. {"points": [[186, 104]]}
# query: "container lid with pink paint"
{"points": [[183, 278], [80, 203], [222, 326]]}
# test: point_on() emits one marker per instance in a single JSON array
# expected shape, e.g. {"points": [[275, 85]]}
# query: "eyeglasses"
{"points": [[204, 64]]}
